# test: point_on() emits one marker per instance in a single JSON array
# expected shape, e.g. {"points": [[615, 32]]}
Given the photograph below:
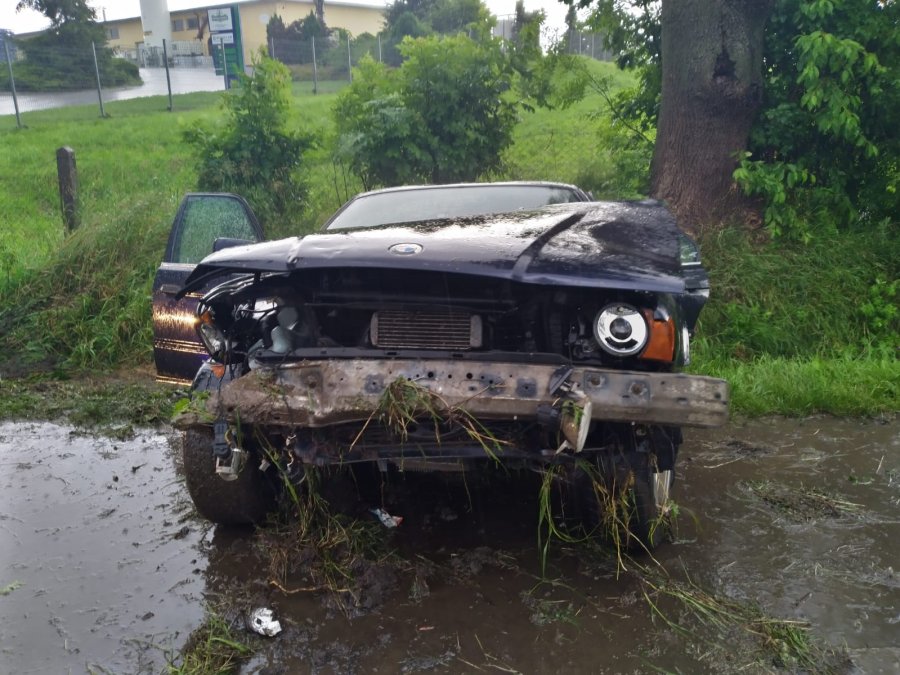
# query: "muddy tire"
{"points": [[621, 493], [244, 501]]}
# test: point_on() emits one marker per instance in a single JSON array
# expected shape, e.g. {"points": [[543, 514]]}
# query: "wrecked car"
{"points": [[436, 328]]}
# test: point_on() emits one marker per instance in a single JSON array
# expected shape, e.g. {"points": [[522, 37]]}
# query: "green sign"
{"points": [[227, 45]]}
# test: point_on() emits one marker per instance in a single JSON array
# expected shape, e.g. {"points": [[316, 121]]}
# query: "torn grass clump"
{"points": [[802, 504], [211, 648], [604, 507], [405, 404], [785, 643], [331, 552]]}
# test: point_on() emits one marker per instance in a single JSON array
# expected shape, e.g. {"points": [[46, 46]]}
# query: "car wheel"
{"points": [[245, 500], [623, 493]]}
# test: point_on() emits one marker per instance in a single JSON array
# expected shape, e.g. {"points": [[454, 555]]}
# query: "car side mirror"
{"points": [[229, 242]]}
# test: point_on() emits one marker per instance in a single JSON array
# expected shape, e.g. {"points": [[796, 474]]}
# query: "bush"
{"points": [[254, 154], [441, 117]]}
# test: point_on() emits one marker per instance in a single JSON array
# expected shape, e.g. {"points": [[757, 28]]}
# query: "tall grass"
{"points": [[850, 384], [83, 299], [803, 328], [787, 299]]}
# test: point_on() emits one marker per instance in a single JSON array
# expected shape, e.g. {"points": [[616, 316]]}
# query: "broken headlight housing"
{"points": [[212, 336]]}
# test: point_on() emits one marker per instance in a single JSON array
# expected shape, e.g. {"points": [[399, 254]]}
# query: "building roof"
{"points": [[375, 4]]}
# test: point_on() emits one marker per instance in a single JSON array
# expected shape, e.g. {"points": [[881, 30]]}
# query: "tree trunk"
{"points": [[712, 85]]}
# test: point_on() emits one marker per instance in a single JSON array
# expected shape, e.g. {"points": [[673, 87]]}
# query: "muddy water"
{"points": [[103, 565]]}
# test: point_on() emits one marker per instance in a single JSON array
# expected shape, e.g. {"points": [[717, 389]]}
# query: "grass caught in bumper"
{"points": [[328, 392]]}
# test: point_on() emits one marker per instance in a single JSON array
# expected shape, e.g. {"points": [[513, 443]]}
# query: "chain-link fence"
{"points": [[34, 77], [573, 41], [587, 44], [331, 58]]}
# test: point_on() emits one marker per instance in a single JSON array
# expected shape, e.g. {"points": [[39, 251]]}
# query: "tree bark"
{"points": [[712, 85]]}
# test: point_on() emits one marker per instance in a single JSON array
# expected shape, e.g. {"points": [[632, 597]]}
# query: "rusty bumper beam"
{"points": [[328, 392]]}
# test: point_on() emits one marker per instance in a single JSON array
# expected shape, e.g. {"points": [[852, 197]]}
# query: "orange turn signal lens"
{"points": [[661, 345]]}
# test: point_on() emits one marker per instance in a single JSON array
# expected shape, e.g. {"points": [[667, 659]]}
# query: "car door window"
{"points": [[203, 220]]}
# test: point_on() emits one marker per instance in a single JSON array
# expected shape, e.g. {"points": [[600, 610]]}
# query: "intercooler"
{"points": [[426, 329]]}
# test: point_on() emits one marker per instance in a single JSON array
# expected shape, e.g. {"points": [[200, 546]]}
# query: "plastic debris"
{"points": [[386, 518], [263, 621]]}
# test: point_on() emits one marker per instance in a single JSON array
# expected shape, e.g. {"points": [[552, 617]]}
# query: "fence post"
{"points": [[349, 59], [68, 186], [12, 84], [97, 73], [315, 68], [168, 79]]}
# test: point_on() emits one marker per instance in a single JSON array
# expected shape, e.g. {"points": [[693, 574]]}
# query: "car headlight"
{"points": [[620, 330], [213, 338]]}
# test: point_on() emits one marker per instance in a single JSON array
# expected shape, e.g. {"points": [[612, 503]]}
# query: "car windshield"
{"points": [[433, 203]]}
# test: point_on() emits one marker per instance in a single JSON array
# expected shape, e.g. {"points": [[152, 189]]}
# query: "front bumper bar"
{"points": [[328, 392]]}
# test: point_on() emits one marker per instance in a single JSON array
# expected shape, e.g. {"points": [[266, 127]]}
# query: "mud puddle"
{"points": [[104, 568]]}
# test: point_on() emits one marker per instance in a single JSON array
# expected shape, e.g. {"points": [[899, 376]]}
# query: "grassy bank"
{"points": [[795, 329]]}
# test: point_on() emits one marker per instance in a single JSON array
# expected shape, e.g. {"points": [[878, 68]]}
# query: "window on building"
{"points": [[193, 23], [112, 33], [177, 25]]}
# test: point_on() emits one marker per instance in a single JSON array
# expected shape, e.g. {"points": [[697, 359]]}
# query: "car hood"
{"points": [[633, 245]]}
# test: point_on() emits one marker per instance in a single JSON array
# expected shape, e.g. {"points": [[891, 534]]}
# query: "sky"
{"points": [[25, 21]]}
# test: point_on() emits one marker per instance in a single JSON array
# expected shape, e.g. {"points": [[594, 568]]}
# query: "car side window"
{"points": [[204, 219]]}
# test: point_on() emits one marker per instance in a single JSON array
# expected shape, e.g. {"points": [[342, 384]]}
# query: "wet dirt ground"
{"points": [[105, 568]]}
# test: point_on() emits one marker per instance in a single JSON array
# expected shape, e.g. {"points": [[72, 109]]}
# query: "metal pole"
{"points": [[168, 79], [97, 73], [379, 48], [12, 83], [315, 68], [272, 47], [349, 59]]}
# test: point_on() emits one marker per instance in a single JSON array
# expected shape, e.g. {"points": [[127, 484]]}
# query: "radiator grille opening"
{"points": [[426, 329]]}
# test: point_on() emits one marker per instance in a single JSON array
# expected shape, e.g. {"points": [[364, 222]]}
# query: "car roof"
{"points": [[450, 186]]}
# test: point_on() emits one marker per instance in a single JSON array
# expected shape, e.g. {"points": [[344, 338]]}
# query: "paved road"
{"points": [[184, 81]]}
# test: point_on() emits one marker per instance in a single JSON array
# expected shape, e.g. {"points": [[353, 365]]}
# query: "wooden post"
{"points": [[12, 82], [68, 186]]}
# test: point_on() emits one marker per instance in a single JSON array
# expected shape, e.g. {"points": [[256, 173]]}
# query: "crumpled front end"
{"points": [[352, 410]]}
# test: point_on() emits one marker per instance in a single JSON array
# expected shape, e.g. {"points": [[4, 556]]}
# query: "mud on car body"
{"points": [[436, 327]]}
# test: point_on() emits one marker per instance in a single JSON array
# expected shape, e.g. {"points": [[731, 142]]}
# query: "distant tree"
{"points": [[526, 27], [453, 16], [276, 29], [60, 11], [320, 12], [292, 44], [62, 57], [418, 8], [571, 19], [418, 18], [310, 27]]}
